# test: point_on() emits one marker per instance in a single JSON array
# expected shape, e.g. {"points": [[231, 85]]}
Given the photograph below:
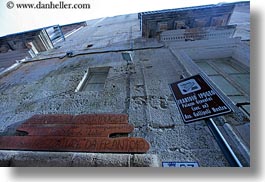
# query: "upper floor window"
{"points": [[231, 77], [180, 24], [162, 26]]}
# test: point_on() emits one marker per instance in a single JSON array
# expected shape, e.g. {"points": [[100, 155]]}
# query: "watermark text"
{"points": [[49, 5]]}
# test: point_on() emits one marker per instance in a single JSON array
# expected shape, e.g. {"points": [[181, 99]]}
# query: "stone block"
{"points": [[75, 159]]}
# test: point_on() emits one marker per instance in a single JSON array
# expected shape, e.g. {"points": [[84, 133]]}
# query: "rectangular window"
{"points": [[162, 26], [224, 85], [231, 77], [200, 22], [94, 79], [180, 24], [218, 21]]}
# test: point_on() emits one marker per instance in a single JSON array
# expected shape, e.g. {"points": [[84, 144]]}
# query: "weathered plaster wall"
{"points": [[139, 89]]}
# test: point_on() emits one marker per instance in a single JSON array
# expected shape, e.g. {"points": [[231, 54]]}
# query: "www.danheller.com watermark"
{"points": [[50, 5]]}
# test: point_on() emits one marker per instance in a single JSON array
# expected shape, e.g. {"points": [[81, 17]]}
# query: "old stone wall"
{"points": [[138, 87]]}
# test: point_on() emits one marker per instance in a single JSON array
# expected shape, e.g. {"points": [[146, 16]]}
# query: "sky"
{"points": [[18, 20]]}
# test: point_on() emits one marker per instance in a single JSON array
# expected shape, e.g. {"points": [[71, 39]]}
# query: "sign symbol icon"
{"points": [[188, 86], [10, 4]]}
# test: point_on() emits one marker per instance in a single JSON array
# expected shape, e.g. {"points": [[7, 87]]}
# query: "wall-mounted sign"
{"points": [[196, 99], [76, 133], [180, 164]]}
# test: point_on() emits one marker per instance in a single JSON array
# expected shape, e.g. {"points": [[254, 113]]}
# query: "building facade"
{"points": [[124, 64]]}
